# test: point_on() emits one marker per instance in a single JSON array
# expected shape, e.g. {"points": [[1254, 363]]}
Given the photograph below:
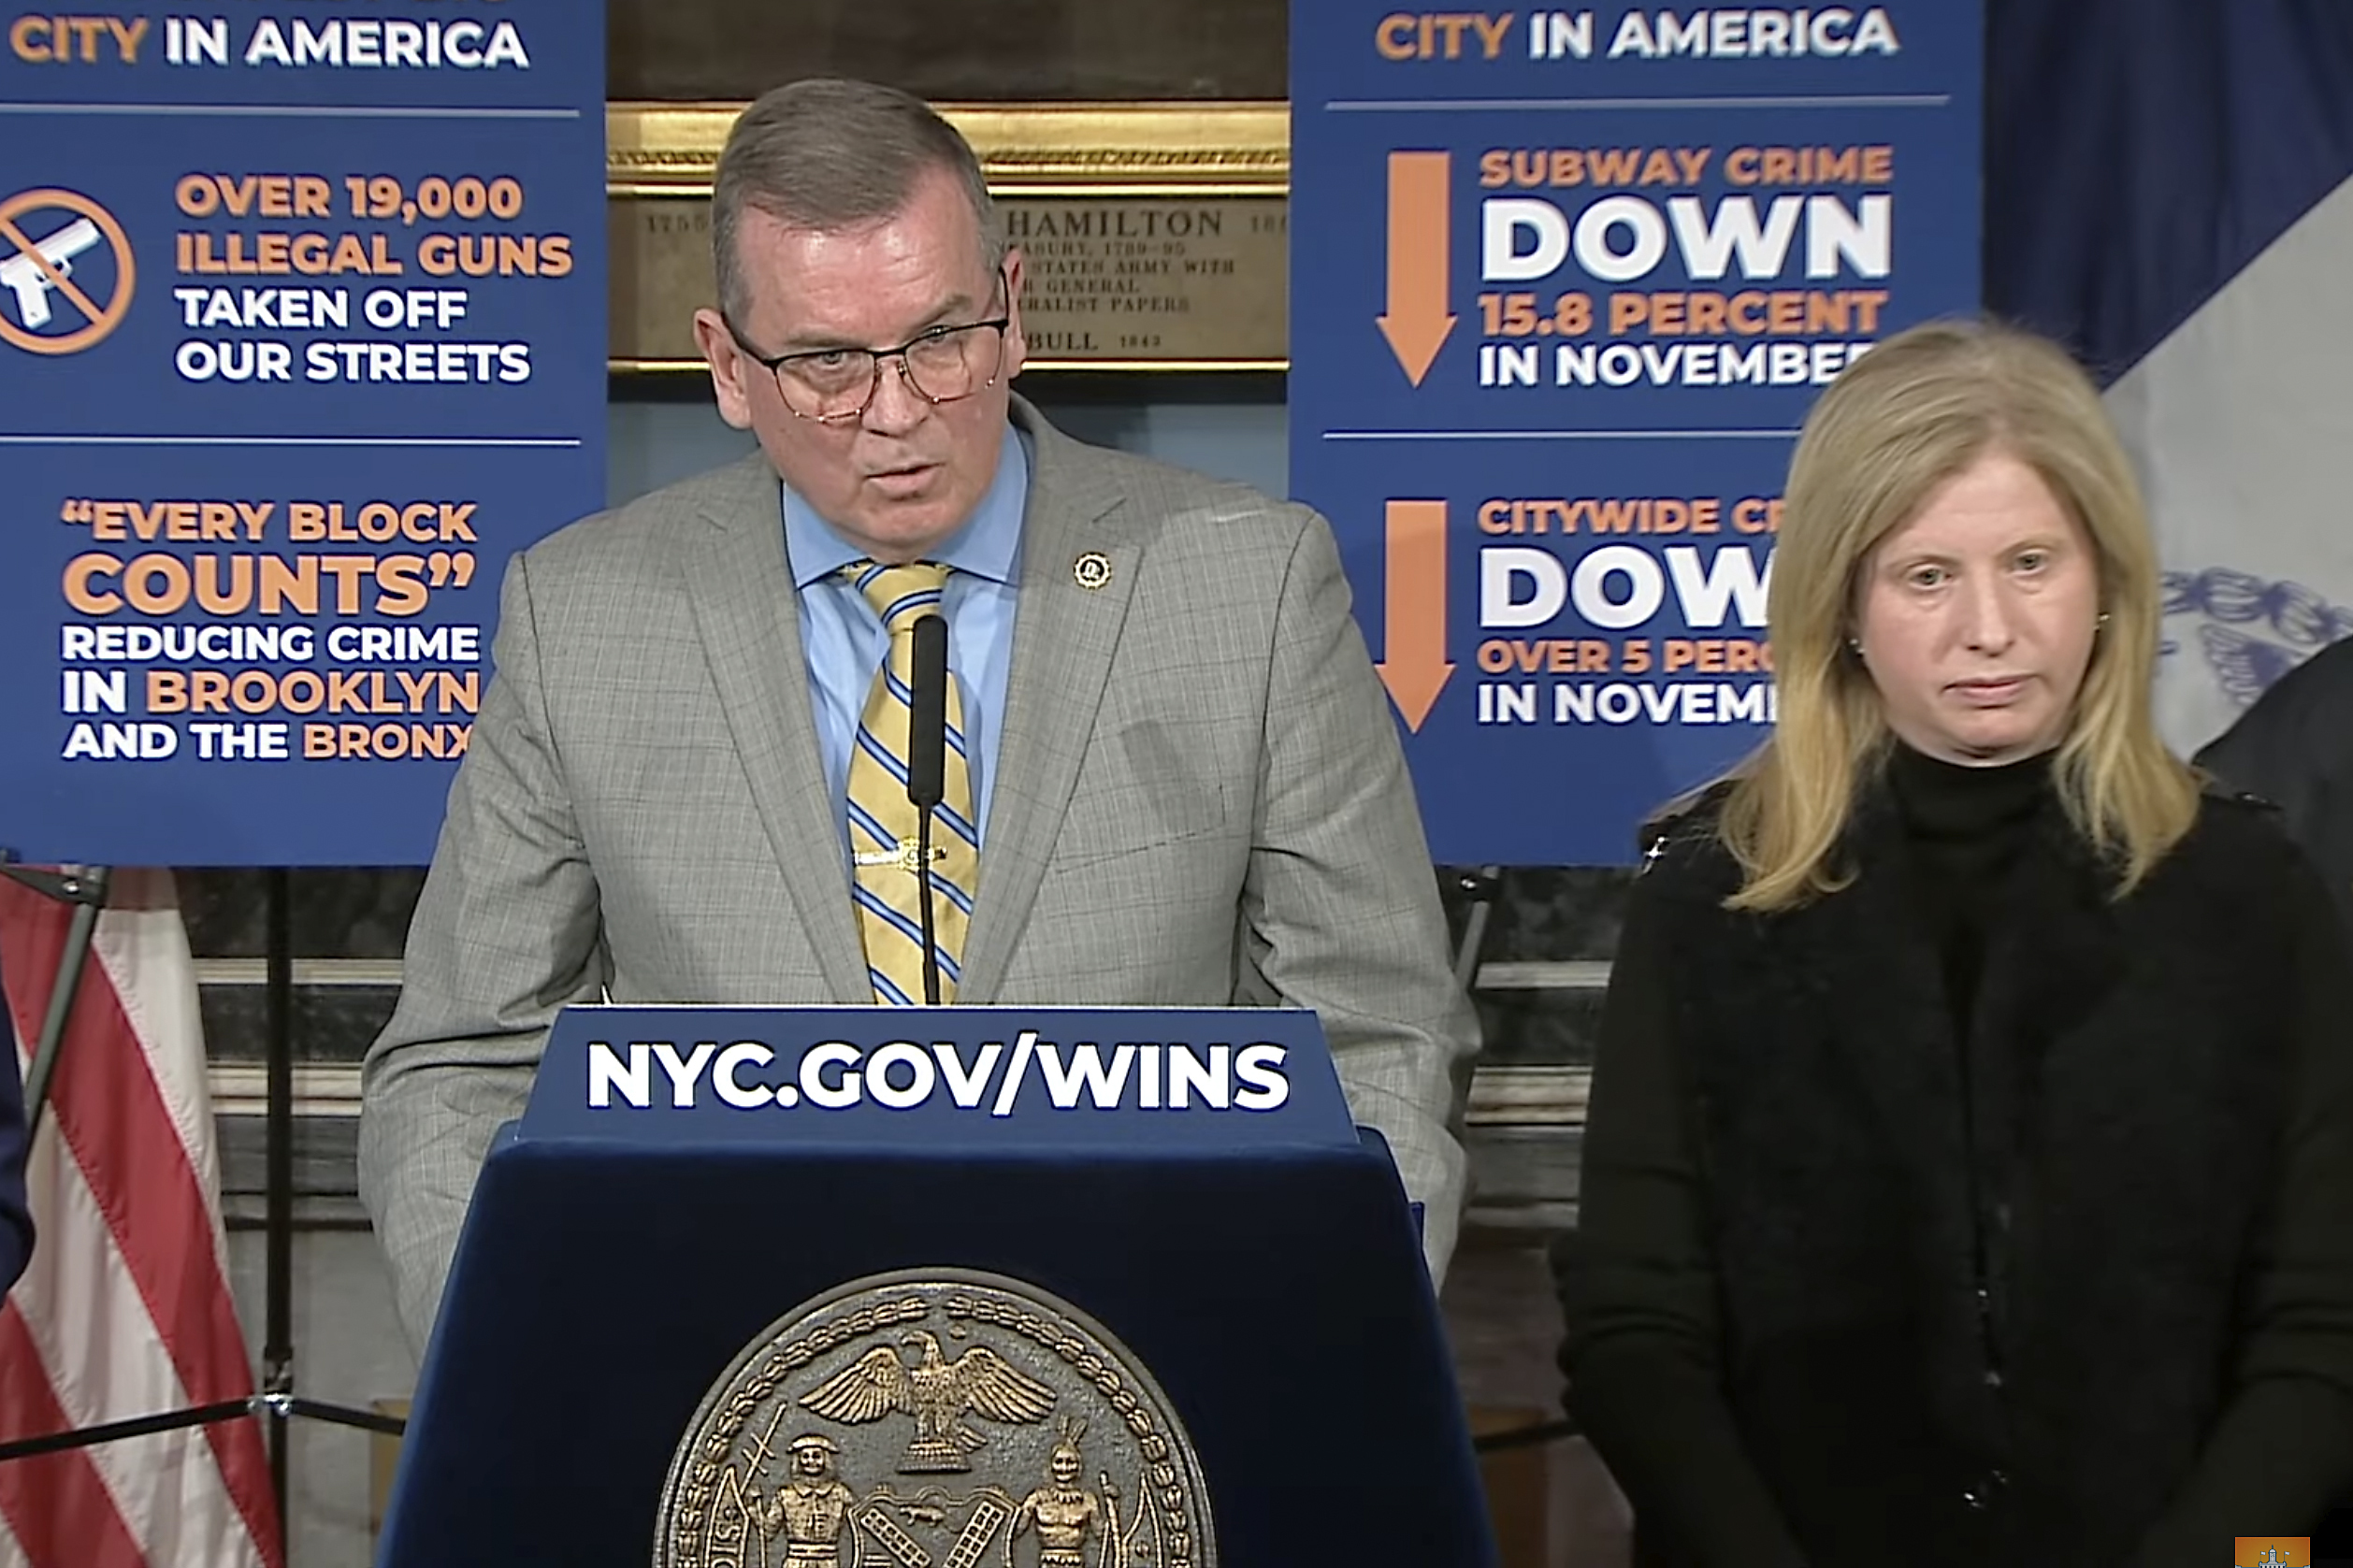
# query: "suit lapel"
{"points": [[1064, 637], [749, 618]]}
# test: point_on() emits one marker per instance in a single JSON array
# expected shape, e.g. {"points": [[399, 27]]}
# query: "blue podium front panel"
{"points": [[1254, 1257]]}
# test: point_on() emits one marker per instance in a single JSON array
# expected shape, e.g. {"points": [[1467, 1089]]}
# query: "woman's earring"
{"points": [[2102, 622]]}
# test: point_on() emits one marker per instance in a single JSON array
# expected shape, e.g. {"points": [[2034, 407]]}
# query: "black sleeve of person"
{"points": [[2282, 1447], [1637, 1284]]}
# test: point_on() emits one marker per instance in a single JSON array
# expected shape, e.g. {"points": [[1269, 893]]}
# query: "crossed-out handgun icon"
{"points": [[34, 271], [30, 281]]}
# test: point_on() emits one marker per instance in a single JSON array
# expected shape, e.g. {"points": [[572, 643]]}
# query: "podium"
{"points": [[1184, 1187]]}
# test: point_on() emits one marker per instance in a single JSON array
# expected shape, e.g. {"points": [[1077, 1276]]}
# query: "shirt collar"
{"points": [[988, 545]]}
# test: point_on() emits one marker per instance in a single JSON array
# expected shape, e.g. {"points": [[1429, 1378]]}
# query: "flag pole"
{"points": [[278, 1355]]}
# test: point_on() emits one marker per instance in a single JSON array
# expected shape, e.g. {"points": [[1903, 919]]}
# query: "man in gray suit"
{"points": [[1187, 787]]}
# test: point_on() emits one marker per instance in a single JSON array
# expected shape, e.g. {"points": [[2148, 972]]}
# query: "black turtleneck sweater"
{"points": [[1965, 828]]}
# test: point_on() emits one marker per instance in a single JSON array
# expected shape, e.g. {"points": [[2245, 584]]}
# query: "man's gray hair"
{"points": [[825, 154]]}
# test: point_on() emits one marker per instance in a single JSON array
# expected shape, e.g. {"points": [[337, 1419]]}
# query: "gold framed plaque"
{"points": [[951, 50], [1156, 234]]}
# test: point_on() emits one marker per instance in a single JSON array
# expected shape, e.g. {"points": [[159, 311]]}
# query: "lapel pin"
{"points": [[1091, 571]]}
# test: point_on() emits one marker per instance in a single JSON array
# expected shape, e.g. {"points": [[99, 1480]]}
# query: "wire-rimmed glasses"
{"points": [[941, 365]]}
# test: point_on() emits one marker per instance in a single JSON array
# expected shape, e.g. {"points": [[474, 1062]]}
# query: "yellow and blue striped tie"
{"points": [[887, 886]]}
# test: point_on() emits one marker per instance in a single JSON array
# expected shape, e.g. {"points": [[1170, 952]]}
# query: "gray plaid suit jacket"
{"points": [[1200, 800]]}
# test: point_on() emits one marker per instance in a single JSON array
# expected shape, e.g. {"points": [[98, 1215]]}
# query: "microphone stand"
{"points": [[930, 941]]}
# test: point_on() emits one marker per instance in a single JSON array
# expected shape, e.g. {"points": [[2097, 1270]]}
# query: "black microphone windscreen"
{"points": [[927, 715]]}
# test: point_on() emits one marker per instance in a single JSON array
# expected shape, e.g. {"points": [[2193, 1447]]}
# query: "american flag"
{"points": [[125, 1309]]}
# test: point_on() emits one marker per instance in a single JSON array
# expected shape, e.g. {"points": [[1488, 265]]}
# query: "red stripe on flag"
{"points": [[104, 1102], [59, 1510]]}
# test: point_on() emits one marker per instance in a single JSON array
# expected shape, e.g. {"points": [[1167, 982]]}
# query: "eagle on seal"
{"points": [[937, 1392]]}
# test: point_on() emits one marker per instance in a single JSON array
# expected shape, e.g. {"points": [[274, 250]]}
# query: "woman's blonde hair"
{"points": [[1910, 414]]}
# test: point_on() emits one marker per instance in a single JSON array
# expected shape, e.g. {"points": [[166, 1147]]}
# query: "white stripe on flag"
{"points": [[143, 944]]}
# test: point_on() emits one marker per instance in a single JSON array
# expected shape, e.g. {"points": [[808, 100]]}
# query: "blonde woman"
{"points": [[1969, 1176]]}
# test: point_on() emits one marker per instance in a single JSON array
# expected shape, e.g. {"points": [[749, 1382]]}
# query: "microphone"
{"points": [[927, 768]]}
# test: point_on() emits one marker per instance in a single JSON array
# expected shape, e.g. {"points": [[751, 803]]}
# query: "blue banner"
{"points": [[1563, 284], [955, 1080], [302, 333]]}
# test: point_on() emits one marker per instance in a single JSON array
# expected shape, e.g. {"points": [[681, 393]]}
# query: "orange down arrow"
{"points": [[1416, 669], [1415, 322]]}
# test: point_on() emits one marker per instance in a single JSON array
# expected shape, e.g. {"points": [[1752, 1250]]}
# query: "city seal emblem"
{"points": [[935, 1418]]}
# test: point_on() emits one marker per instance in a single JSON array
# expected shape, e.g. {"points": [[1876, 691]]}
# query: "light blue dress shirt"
{"points": [[844, 643]]}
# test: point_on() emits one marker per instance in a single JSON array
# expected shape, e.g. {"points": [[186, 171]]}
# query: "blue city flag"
{"points": [[2169, 190]]}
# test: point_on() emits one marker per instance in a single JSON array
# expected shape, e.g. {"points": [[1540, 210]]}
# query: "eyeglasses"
{"points": [[835, 386]]}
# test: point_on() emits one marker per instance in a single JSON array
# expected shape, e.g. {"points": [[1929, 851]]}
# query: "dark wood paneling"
{"points": [[952, 50]]}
